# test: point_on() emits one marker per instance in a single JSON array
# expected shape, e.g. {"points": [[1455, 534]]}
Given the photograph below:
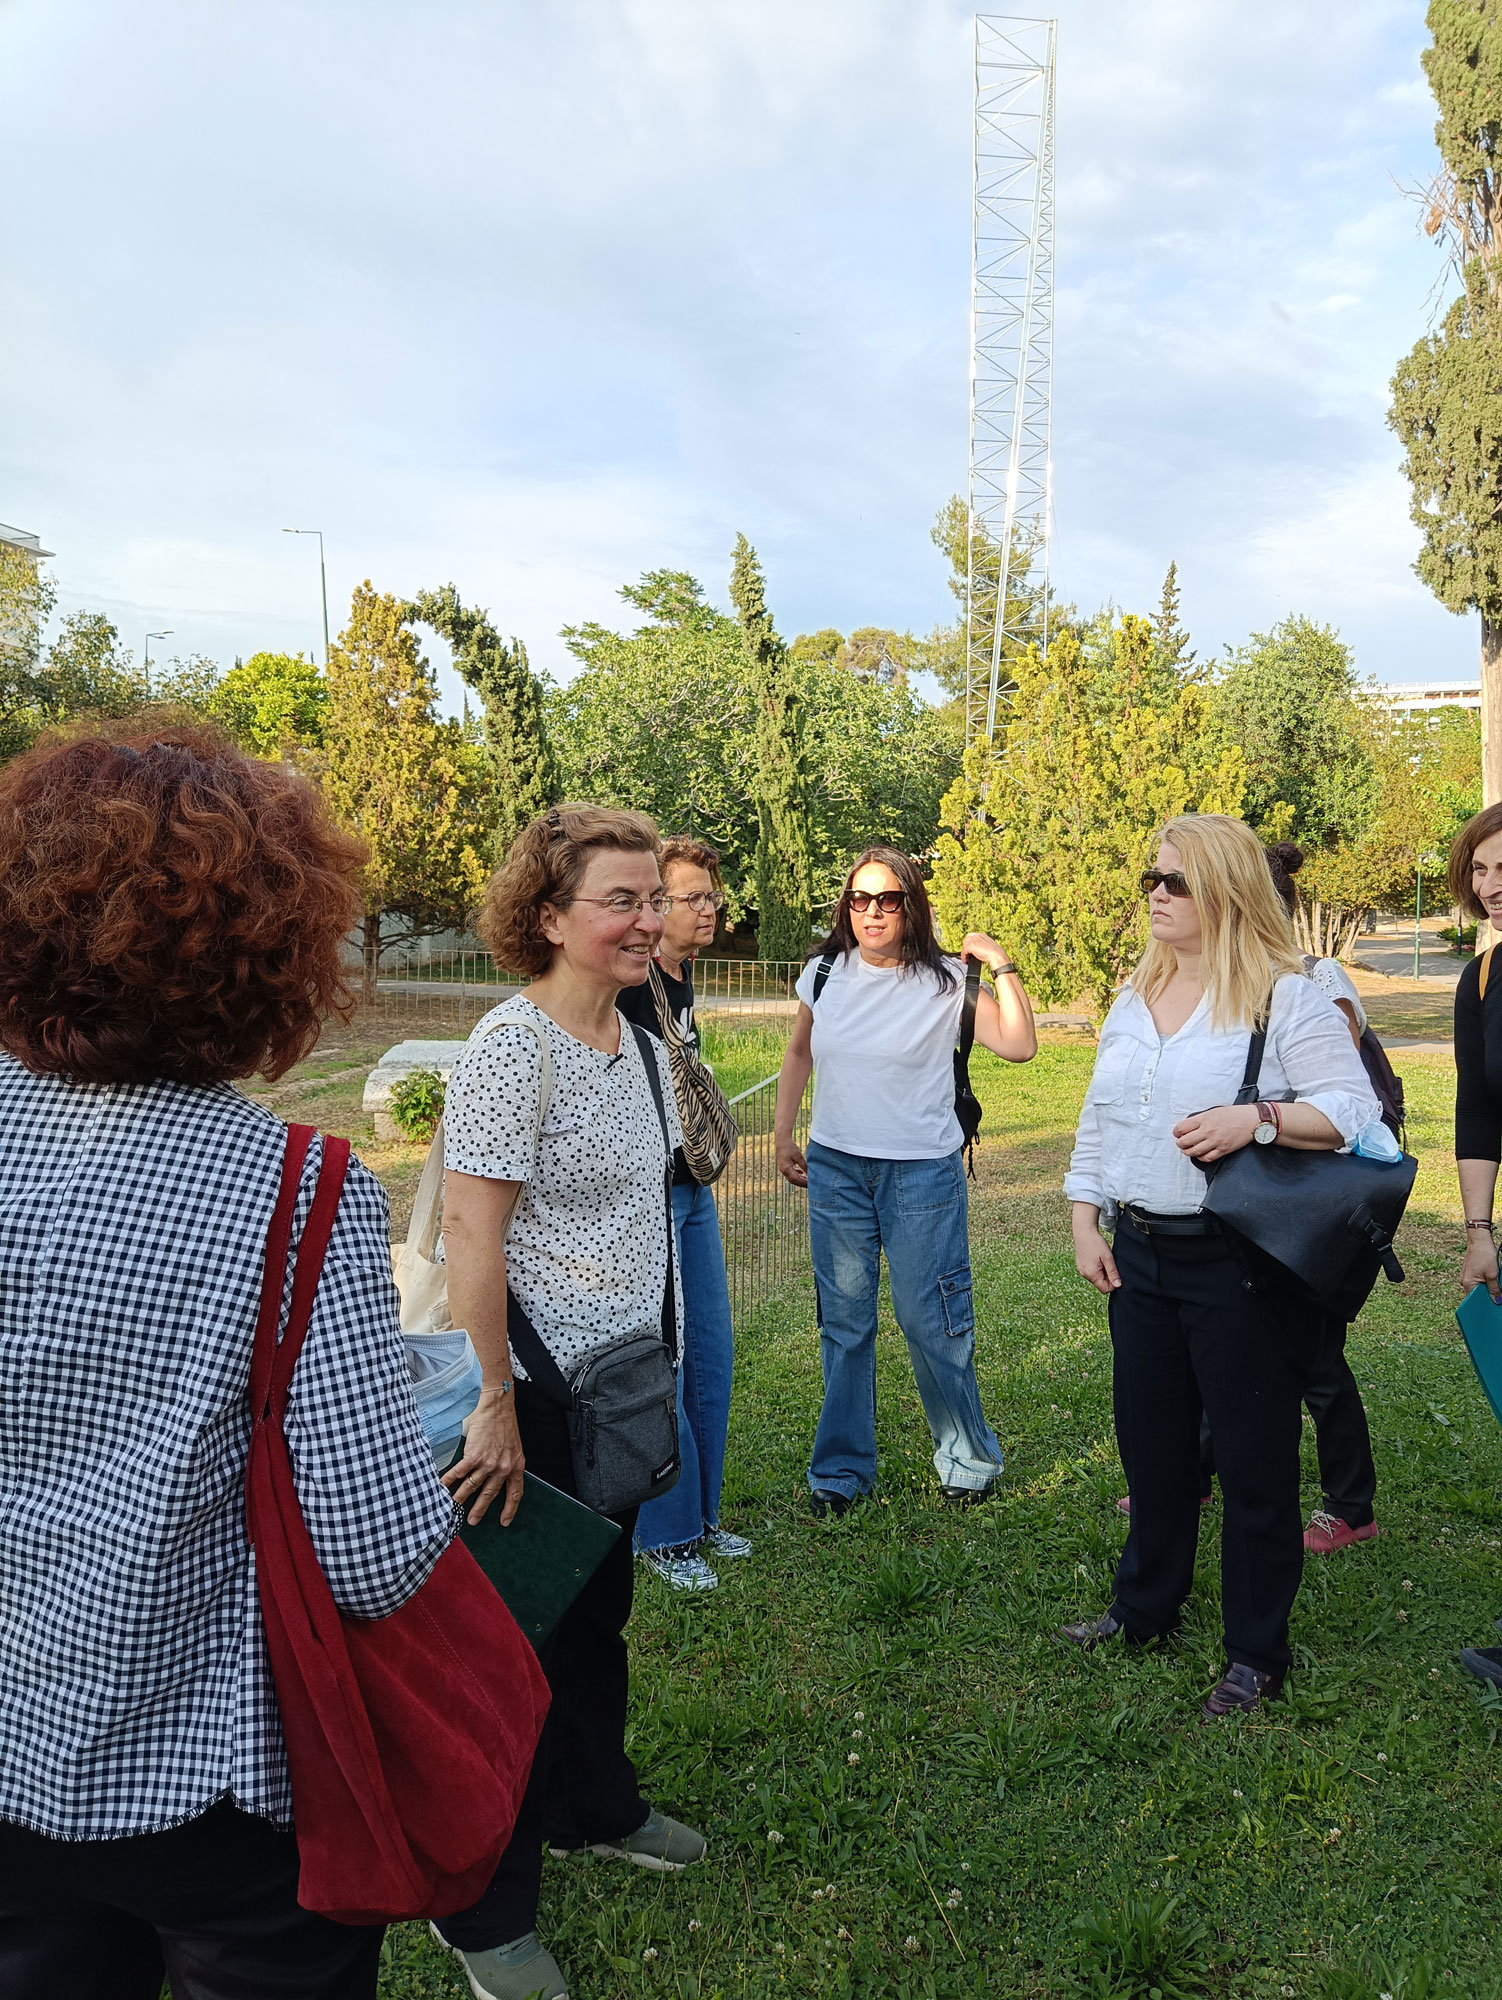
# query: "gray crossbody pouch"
{"points": [[621, 1402]]}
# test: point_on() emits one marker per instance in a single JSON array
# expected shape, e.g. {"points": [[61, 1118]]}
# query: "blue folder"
{"points": [[1480, 1320]]}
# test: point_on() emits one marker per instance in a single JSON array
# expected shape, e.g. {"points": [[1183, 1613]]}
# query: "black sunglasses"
{"points": [[1170, 879], [888, 901]]}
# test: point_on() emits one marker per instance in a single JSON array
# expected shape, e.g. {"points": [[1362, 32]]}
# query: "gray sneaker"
{"points": [[680, 1571], [720, 1542], [659, 1843], [521, 1970]]}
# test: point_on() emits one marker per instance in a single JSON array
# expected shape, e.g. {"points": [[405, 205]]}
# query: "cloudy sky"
{"points": [[533, 295]]}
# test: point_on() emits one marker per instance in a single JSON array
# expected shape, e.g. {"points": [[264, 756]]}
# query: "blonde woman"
{"points": [[1186, 1330]]}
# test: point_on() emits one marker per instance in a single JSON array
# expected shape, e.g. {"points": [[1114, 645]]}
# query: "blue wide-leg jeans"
{"points": [[687, 1509], [915, 1210]]}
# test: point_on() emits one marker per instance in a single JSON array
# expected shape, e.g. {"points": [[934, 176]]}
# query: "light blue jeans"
{"points": [[684, 1512], [915, 1210]]}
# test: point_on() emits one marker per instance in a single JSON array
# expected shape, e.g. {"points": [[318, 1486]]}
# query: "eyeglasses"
{"points": [[1171, 880], [701, 900], [622, 905], [888, 901]]}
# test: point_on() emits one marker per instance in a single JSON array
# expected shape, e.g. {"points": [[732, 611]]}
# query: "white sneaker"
{"points": [[681, 1572], [720, 1542]]}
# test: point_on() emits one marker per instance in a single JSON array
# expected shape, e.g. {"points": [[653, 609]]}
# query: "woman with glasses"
{"points": [[559, 1201], [676, 1532], [878, 1025], [1187, 1331]]}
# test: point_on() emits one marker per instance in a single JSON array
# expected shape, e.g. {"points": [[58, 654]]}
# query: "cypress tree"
{"points": [[524, 770], [784, 872], [1447, 393]]}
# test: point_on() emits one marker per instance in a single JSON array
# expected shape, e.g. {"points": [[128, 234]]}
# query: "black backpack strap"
{"points": [[646, 1047], [1256, 1048], [821, 975], [967, 1013]]}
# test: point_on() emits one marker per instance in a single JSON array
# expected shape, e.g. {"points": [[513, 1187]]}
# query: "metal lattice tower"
{"points": [[1011, 336]]}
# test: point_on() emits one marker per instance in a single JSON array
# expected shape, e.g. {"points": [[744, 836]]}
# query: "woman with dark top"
{"points": [[172, 917], [558, 1198], [1188, 1335], [885, 1170], [676, 1532], [1476, 886]]}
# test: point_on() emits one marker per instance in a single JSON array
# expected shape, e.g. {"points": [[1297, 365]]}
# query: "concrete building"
{"points": [[18, 538], [1407, 698]]}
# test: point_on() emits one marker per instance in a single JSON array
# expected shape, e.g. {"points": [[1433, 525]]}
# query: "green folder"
{"points": [[1480, 1320], [544, 1559]]}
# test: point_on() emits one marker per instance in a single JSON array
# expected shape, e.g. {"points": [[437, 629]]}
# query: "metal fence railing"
{"points": [[434, 994], [763, 1221]]}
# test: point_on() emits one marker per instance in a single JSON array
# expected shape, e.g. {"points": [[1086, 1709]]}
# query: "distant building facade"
{"points": [[18, 538], [1407, 698]]}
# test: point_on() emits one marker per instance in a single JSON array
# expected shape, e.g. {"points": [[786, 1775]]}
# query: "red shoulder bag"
{"points": [[409, 1738]]}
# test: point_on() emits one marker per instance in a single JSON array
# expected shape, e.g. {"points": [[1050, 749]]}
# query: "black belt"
{"points": [[1147, 1224]]}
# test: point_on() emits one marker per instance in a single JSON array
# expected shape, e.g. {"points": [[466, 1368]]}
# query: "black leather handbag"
{"points": [[1321, 1224]]}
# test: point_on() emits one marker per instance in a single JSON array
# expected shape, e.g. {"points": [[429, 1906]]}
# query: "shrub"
{"points": [[416, 1105]]}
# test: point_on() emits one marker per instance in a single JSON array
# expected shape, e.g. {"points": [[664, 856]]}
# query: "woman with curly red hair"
{"points": [[172, 916]]}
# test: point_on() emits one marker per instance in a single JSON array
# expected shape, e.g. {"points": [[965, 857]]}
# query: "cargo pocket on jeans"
{"points": [[958, 1302]]}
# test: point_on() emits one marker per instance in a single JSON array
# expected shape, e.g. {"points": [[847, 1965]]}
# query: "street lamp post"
{"points": [[146, 667], [323, 583]]}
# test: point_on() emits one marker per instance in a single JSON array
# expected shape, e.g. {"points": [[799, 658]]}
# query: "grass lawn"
{"points": [[909, 1791]]}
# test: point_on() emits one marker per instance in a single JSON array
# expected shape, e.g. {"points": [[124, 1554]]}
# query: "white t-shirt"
{"points": [[587, 1251], [883, 1042]]}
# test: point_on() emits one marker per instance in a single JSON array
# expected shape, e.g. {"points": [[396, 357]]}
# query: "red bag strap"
{"points": [[272, 1362]]}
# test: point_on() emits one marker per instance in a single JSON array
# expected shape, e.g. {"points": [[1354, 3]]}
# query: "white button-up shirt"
{"points": [[1146, 1083]]}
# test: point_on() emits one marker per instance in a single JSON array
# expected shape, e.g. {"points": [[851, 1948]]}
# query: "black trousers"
{"points": [[583, 1786], [1189, 1336], [1346, 1469], [213, 1903]]}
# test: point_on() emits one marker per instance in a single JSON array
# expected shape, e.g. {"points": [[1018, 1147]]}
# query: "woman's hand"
{"points": [[1093, 1259], [1211, 1135], [792, 1165], [986, 949], [492, 1459], [1480, 1265]]}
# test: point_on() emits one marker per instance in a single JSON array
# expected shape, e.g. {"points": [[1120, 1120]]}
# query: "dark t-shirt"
{"points": [[1478, 1063], [638, 1005]]}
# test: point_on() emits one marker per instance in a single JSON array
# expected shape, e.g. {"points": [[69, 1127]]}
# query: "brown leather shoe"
{"points": [[1094, 1632], [1239, 1691]]}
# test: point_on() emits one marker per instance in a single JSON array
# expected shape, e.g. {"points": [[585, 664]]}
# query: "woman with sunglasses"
{"points": [[884, 1170], [677, 1532], [1186, 1330]]}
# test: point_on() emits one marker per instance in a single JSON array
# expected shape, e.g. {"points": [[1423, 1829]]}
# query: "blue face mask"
{"points": [[445, 1372]]}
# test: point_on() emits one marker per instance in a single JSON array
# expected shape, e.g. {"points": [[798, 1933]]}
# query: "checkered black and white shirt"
{"points": [[134, 1685]]}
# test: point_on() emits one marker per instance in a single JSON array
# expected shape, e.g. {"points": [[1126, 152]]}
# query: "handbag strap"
{"points": [[272, 1361], [967, 1013], [821, 975], [1256, 1048]]}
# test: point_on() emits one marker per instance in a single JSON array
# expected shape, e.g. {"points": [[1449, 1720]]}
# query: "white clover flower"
{"points": [[693, 1923], [1434, 1673], [779, 1949], [854, 1757], [650, 1953], [911, 1944], [774, 1838], [842, 1933], [1238, 1795], [860, 1715], [828, 1892], [964, 1867], [856, 1735], [818, 1895], [1402, 1617], [1381, 1756], [1406, 1584], [1332, 1836]]}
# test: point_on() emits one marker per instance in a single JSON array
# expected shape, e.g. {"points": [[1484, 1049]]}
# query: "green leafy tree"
{"points": [[401, 778], [1290, 701], [27, 595], [523, 768], [1447, 392], [945, 649], [271, 703], [1170, 640], [817, 648], [784, 874], [88, 672], [1049, 828]]}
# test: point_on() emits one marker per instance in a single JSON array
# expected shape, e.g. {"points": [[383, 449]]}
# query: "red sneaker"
{"points": [[1327, 1532]]}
